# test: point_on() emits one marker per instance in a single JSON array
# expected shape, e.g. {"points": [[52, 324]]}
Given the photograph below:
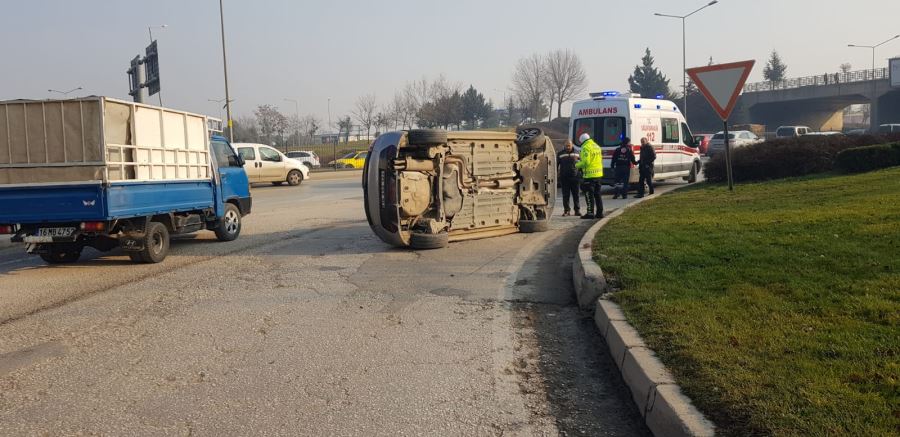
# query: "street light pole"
{"points": [[683, 19], [297, 107], [225, 70], [65, 93], [872, 122]]}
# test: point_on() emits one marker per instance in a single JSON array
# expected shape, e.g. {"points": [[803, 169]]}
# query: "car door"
{"points": [[234, 183], [271, 167], [251, 162]]}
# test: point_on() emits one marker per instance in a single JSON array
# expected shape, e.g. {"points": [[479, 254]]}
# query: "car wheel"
{"points": [[422, 241], [61, 257], [230, 224], [530, 139], [294, 178], [532, 226], [156, 243], [426, 137]]}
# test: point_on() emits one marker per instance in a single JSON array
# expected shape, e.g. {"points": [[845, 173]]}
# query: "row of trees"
{"points": [[554, 77]]}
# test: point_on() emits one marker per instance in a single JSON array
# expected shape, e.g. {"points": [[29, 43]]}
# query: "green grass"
{"points": [[776, 306]]}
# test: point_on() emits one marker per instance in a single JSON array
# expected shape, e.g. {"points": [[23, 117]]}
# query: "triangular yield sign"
{"points": [[721, 84]]}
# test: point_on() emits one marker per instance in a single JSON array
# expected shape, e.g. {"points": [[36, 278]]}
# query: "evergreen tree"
{"points": [[648, 81], [474, 107], [775, 69]]}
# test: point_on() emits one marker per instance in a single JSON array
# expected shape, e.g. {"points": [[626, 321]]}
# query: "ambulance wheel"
{"points": [[530, 139], [426, 137], [156, 243], [61, 256], [695, 170], [422, 241]]}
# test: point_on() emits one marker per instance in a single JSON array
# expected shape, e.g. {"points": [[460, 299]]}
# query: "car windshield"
{"points": [[349, 155], [721, 136]]}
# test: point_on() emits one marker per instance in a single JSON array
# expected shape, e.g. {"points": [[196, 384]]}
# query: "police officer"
{"points": [[591, 166], [645, 167], [622, 160], [568, 177]]}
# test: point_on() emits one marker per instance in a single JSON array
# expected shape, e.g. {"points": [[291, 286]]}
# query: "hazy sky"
{"points": [[313, 50]]}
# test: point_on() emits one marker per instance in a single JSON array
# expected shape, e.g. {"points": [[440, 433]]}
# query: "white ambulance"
{"points": [[608, 117]]}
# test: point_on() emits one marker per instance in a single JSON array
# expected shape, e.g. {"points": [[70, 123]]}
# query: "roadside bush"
{"points": [[788, 157], [868, 158]]}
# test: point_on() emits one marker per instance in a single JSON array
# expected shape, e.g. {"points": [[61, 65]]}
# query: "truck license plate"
{"points": [[55, 232]]}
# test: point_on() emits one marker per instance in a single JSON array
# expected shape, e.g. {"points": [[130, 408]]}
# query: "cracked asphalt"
{"points": [[308, 325]]}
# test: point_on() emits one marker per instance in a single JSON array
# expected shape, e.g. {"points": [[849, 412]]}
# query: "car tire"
{"points": [[530, 139], [61, 257], [156, 243], [294, 178], [533, 226], [426, 137], [692, 176], [422, 241], [230, 225]]}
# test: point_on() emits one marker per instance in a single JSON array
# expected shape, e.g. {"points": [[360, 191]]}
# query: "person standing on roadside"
{"points": [[622, 160], [645, 167], [568, 177], [591, 166]]}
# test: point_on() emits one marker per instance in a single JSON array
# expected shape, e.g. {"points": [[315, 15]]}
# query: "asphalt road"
{"points": [[308, 324]]}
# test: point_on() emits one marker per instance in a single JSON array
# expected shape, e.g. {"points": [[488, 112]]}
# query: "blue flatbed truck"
{"points": [[104, 173]]}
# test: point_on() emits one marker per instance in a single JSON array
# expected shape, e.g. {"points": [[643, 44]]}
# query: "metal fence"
{"points": [[820, 80], [329, 153]]}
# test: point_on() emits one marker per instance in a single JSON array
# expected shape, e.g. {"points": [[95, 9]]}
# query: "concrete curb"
{"points": [[666, 411]]}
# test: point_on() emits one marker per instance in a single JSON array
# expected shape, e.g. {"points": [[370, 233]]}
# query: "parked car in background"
{"points": [[737, 139], [307, 157], [350, 160], [888, 128], [791, 131], [702, 141], [265, 164]]}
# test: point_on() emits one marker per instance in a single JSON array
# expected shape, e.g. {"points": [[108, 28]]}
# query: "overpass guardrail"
{"points": [[819, 80]]}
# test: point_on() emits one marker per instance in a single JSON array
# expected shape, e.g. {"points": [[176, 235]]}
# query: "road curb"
{"points": [[666, 410]]}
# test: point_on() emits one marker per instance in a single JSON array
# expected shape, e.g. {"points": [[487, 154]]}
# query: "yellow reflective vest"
{"points": [[591, 163]]}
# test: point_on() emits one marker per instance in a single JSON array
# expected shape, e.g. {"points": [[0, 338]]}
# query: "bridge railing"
{"points": [[819, 80]]}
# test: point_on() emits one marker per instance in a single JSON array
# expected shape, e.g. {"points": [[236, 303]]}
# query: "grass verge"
{"points": [[776, 306]]}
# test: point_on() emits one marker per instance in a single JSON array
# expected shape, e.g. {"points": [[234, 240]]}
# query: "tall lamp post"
{"points": [[150, 31], [683, 19], [225, 70], [872, 124], [297, 108], [65, 93]]}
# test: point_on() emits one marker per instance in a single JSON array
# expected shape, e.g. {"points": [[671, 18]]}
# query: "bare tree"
{"points": [[365, 112], [530, 86], [345, 125], [846, 67], [565, 77], [271, 122], [309, 125]]}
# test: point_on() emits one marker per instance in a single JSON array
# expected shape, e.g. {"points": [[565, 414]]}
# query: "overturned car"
{"points": [[424, 188]]}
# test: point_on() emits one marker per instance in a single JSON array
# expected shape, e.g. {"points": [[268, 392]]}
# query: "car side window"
{"points": [[224, 154], [267, 154], [363, 155], [670, 130], [247, 153]]}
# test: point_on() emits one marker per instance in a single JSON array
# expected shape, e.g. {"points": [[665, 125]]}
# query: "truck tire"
{"points": [[426, 137], [530, 139], [156, 244], [230, 225], [61, 257], [294, 178], [422, 241], [532, 226]]}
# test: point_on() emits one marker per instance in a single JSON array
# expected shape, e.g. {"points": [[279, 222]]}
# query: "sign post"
{"points": [[721, 85]]}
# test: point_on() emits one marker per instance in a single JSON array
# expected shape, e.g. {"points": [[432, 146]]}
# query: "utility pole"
{"points": [[225, 69]]}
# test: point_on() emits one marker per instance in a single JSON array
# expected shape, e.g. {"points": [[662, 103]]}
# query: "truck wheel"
{"points": [[532, 226], [421, 241], [530, 139], [156, 244], [61, 257], [294, 178], [426, 137], [230, 225]]}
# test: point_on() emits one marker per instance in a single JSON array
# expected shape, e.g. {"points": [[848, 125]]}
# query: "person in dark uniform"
{"points": [[645, 167], [622, 160], [568, 177]]}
